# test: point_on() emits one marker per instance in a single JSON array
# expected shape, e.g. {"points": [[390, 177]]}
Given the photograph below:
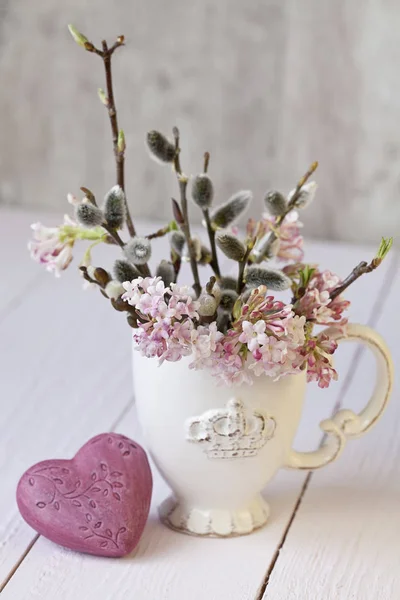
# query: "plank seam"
{"points": [[376, 312], [19, 562]]}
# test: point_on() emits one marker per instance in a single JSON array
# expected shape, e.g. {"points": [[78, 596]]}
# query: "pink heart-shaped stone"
{"points": [[98, 502]]}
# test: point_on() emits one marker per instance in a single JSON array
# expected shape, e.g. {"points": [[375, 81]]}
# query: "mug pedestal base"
{"points": [[214, 522]]}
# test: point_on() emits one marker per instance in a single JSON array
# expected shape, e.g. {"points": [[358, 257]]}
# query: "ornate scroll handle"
{"points": [[345, 424]]}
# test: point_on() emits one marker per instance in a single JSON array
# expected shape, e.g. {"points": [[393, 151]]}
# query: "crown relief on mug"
{"points": [[233, 326], [231, 432]]}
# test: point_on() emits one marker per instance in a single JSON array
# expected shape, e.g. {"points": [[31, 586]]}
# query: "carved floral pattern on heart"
{"points": [[93, 502]]}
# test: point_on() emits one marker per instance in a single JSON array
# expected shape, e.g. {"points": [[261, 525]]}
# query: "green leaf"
{"points": [[384, 247], [305, 275]]}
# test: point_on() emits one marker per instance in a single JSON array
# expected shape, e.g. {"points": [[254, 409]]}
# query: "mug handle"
{"points": [[345, 424]]}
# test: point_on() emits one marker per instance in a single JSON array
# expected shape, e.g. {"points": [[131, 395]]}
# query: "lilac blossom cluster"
{"points": [[266, 338]]}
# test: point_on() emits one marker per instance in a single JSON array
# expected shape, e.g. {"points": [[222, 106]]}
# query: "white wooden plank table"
{"points": [[65, 376]]}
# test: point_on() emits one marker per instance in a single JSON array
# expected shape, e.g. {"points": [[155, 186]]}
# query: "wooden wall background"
{"points": [[267, 86]]}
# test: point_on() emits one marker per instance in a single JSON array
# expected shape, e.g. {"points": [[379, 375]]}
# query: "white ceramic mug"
{"points": [[217, 447]]}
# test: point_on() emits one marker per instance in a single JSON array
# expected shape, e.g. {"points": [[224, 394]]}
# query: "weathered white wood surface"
{"points": [[266, 87], [344, 542], [65, 375]]}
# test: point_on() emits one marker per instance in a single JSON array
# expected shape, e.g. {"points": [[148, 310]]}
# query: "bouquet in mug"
{"points": [[234, 326]]}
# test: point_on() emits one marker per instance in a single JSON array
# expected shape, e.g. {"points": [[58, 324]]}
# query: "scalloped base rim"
{"points": [[214, 522]]}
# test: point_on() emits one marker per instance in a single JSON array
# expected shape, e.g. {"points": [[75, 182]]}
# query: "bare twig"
{"points": [[119, 154], [360, 269]]}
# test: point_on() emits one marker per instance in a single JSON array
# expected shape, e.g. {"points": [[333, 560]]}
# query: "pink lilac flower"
{"points": [[290, 240], [316, 304], [264, 340], [253, 335], [168, 313], [205, 341], [316, 356], [50, 247]]}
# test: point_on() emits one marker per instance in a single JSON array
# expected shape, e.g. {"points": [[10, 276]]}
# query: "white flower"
{"points": [[253, 335], [50, 247]]}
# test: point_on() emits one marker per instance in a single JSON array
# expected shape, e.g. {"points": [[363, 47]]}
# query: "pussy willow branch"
{"points": [[182, 180], [211, 233], [291, 205], [360, 269]]}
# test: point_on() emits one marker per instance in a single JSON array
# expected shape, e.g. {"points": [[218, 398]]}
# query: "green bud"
{"points": [[103, 98], [384, 247], [121, 141], [79, 38]]}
